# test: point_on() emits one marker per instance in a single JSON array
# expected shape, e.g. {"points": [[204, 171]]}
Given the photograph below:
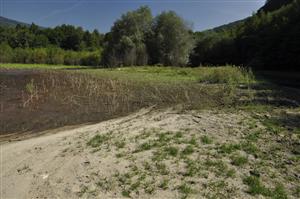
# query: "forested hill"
{"points": [[272, 5], [267, 40], [10, 22]]}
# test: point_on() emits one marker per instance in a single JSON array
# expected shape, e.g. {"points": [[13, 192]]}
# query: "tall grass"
{"points": [[227, 75]]}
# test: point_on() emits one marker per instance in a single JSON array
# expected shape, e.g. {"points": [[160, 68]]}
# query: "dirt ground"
{"points": [[193, 154]]}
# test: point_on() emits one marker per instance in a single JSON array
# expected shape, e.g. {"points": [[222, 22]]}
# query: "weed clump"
{"points": [[239, 160], [206, 140], [98, 140]]}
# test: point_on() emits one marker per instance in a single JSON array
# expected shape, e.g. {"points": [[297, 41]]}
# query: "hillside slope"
{"points": [[10, 22]]}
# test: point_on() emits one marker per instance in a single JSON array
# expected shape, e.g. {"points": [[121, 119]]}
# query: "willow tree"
{"points": [[125, 44], [171, 40]]}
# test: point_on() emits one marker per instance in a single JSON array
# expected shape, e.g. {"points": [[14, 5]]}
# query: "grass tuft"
{"points": [[206, 140], [238, 160]]}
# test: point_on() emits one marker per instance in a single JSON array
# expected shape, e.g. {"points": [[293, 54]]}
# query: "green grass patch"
{"points": [[239, 160], [250, 148], [253, 136], [171, 150], [206, 140], [148, 145], [257, 188], [98, 140], [272, 125], [229, 148], [189, 149], [185, 190]]}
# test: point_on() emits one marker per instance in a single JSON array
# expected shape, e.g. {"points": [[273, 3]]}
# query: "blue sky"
{"points": [[100, 14]]}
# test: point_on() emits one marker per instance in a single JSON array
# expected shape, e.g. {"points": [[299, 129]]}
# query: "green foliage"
{"points": [[66, 37], [125, 44], [6, 53], [137, 39], [49, 55], [170, 42]]}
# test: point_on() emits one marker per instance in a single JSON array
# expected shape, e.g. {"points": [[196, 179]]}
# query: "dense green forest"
{"points": [[64, 44], [267, 40]]}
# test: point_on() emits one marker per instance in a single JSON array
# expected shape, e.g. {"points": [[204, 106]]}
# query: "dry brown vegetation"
{"points": [[32, 100]]}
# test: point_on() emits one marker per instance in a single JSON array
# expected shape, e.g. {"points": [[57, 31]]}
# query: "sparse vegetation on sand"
{"points": [[168, 162]]}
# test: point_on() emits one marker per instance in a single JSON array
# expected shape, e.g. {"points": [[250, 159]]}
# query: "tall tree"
{"points": [[171, 40], [125, 44]]}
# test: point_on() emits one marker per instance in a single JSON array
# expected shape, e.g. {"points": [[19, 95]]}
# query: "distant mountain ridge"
{"points": [[10, 22]]}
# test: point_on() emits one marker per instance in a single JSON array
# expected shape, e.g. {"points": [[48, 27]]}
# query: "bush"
{"points": [[6, 53], [91, 59], [22, 55], [55, 56], [39, 56], [72, 58]]}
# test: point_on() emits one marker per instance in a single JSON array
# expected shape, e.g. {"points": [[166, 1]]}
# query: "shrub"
{"points": [[90, 59], [39, 56], [72, 58], [6, 53], [55, 56], [22, 55]]}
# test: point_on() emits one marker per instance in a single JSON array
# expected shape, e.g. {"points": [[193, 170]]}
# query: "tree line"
{"points": [[137, 38], [266, 40]]}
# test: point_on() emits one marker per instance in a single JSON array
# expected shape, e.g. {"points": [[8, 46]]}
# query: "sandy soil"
{"points": [[62, 165]]}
